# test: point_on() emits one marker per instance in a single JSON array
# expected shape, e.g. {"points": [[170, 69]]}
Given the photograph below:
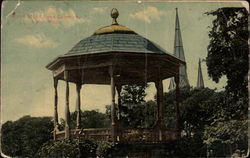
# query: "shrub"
{"points": [[70, 148]]}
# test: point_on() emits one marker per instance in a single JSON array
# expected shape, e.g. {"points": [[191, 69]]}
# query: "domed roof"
{"points": [[114, 29], [115, 38]]}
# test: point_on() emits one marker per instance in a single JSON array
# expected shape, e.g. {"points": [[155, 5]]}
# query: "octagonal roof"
{"points": [[115, 42]]}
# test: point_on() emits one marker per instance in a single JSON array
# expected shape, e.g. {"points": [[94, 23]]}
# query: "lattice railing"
{"points": [[100, 134], [125, 135], [148, 135]]}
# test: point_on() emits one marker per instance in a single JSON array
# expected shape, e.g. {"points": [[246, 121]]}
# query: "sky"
{"points": [[33, 33]]}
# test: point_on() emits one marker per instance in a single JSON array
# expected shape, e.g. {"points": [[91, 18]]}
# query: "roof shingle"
{"points": [[115, 43]]}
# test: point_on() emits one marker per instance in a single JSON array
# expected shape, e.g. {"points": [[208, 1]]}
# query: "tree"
{"points": [[140, 115], [228, 55], [133, 93], [134, 109], [24, 136], [228, 125], [196, 108], [207, 118], [89, 119], [228, 48], [170, 104]]}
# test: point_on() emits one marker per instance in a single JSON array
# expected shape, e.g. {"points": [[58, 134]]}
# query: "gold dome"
{"points": [[114, 27]]}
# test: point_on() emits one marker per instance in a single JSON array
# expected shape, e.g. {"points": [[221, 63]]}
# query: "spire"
{"points": [[179, 53], [178, 46], [172, 84], [200, 82]]}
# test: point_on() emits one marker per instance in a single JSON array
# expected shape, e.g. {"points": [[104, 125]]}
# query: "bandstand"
{"points": [[116, 55]]}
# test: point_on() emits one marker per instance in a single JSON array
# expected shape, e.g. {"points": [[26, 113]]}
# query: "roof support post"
{"points": [[113, 108], [160, 106], [119, 89], [56, 125], [119, 104], [177, 95], [67, 113], [78, 105]]}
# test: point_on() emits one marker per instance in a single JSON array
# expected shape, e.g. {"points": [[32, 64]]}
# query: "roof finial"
{"points": [[114, 15]]}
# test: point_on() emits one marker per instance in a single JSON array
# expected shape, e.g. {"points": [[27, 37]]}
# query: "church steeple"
{"points": [[179, 53], [200, 82]]}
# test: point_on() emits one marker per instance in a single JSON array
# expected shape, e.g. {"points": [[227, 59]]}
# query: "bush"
{"points": [[70, 148], [104, 149], [24, 136]]}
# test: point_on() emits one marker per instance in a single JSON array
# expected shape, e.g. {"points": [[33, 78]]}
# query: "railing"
{"points": [[124, 135], [148, 135], [100, 134]]}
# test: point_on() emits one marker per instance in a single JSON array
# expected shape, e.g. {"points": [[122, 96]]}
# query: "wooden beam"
{"points": [[160, 105], [67, 112], [59, 70], [160, 124], [99, 75], [158, 102], [78, 105], [119, 89], [177, 79], [161, 108], [113, 108], [169, 70], [114, 55], [89, 66], [56, 124]]}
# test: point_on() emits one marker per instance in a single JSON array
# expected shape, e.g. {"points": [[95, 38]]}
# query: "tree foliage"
{"points": [[89, 119], [133, 93], [70, 148], [208, 118], [24, 136], [226, 132], [135, 111], [140, 115], [170, 105], [228, 48], [229, 123], [194, 103], [228, 55]]}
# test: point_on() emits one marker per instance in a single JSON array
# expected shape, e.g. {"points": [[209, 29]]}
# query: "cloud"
{"points": [[55, 16], [99, 10], [37, 40], [149, 14]]}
